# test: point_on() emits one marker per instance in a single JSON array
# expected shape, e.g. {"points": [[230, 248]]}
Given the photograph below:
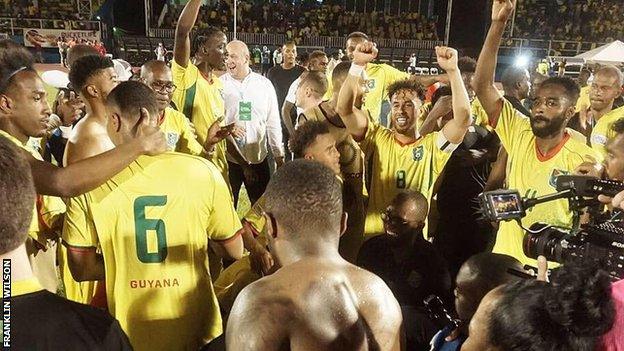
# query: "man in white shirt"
{"points": [[318, 63], [251, 103]]}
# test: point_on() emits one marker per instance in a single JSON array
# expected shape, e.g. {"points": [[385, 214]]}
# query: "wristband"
{"points": [[65, 131], [356, 70]]}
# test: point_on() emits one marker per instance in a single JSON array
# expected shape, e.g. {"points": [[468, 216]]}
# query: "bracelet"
{"points": [[356, 70]]}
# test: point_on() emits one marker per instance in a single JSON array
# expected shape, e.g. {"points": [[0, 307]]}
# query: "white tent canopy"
{"points": [[610, 53]]}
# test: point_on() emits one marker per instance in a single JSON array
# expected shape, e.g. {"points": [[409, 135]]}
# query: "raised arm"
{"points": [[483, 81], [456, 128], [182, 44], [85, 175], [355, 121]]}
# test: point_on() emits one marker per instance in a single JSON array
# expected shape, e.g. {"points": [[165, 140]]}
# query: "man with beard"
{"points": [[539, 147], [198, 89], [397, 158], [601, 95], [282, 77]]}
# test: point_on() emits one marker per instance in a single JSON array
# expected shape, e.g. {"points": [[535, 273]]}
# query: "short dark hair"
{"points": [[467, 64], [305, 198], [491, 269], [339, 74], [13, 59], [304, 136], [17, 196], [202, 35], [316, 80], [358, 35], [572, 89], [414, 196], [79, 50], [571, 313], [130, 97], [87, 67], [618, 126], [511, 76], [317, 54], [440, 92], [406, 84]]}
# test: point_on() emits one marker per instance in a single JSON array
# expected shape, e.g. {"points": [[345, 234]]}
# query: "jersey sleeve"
{"points": [[78, 228], [223, 222], [393, 74], [188, 139], [510, 122], [184, 78], [51, 210], [442, 150], [255, 216]]}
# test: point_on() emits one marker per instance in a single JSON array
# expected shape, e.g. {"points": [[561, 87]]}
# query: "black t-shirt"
{"points": [[44, 321], [282, 79], [422, 273]]}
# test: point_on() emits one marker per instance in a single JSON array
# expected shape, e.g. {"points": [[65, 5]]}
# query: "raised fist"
{"points": [[447, 58], [364, 53], [502, 9]]}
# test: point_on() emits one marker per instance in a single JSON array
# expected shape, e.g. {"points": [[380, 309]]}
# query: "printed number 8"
{"points": [[142, 225]]}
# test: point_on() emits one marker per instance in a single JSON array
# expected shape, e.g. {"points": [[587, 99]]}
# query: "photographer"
{"points": [[571, 313]]}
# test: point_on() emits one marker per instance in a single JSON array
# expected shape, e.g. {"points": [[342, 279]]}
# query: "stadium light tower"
{"points": [[235, 17], [449, 12]]}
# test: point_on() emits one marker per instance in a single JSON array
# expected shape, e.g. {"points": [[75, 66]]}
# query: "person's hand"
{"points": [[616, 202], [542, 269], [249, 174], [365, 53], [279, 161], [453, 335], [216, 133], [442, 107], [152, 140], [261, 260], [238, 132], [447, 58], [502, 10], [590, 168], [68, 108]]}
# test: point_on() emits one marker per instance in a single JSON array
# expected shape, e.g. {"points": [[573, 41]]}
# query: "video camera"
{"points": [[601, 239]]}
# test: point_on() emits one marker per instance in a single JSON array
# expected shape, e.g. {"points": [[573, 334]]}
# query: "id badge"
{"points": [[244, 111]]}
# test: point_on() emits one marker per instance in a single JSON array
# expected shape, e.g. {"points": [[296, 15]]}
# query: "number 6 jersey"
{"points": [[152, 222]]}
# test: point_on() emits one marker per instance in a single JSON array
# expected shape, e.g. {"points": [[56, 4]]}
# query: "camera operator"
{"points": [[540, 148], [572, 313]]}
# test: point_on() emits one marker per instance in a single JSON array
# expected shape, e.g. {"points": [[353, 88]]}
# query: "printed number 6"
{"points": [[142, 225]]}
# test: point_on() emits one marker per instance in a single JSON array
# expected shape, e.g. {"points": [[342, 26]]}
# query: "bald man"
{"points": [[251, 103], [321, 301], [409, 264], [606, 87]]}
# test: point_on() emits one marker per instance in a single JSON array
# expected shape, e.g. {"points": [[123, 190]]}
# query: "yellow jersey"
{"points": [[602, 131], [379, 77], [478, 114], [178, 133], [153, 221], [201, 101], [394, 167], [583, 103], [534, 174]]}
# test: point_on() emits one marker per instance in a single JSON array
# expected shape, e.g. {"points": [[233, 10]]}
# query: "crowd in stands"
{"points": [[303, 21], [573, 20], [56, 14]]}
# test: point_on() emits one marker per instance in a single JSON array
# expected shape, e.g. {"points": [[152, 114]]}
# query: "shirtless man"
{"points": [[93, 77], [321, 301]]}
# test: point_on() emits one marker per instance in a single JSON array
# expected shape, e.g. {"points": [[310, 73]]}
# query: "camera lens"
{"points": [[546, 243]]}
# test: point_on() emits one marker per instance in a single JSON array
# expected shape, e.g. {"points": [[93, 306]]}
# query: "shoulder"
{"points": [[193, 168], [172, 113]]}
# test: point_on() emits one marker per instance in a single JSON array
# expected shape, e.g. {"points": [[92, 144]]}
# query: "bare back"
{"points": [[89, 138], [314, 304]]}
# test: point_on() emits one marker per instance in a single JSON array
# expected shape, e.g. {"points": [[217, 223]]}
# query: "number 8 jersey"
{"points": [[152, 222]]}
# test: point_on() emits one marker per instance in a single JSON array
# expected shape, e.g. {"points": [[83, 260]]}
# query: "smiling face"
{"points": [[213, 51], [405, 105], [237, 62], [323, 150], [26, 106]]}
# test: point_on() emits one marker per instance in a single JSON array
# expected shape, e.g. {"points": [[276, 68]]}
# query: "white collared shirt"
{"points": [[292, 95], [265, 116]]}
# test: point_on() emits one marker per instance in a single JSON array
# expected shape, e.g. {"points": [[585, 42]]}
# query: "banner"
{"points": [[47, 38]]}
